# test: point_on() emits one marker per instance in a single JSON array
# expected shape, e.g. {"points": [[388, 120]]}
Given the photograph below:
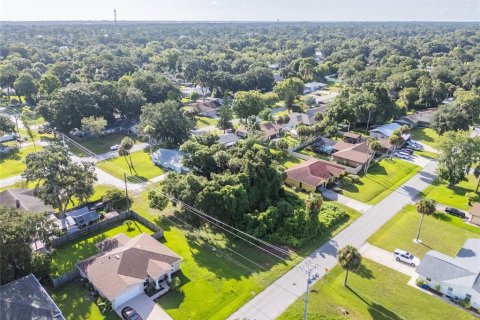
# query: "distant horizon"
{"points": [[243, 21], [241, 10]]}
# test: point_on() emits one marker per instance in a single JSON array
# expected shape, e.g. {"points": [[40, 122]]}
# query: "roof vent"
{"points": [[117, 256]]}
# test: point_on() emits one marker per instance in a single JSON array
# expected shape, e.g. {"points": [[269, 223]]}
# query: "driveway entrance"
{"points": [[145, 307]]}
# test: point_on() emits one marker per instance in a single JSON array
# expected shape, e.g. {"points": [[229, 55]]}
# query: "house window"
{"points": [[468, 298], [428, 279]]}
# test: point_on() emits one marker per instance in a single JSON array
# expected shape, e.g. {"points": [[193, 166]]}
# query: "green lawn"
{"points": [[451, 196], [100, 190], [381, 180], [439, 232], [144, 166], [65, 257], [425, 135], [75, 302], [290, 161], [202, 122], [374, 292], [215, 280], [426, 154], [314, 154], [100, 145], [14, 164]]}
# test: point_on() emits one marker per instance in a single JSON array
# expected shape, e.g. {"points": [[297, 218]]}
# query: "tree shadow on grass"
{"points": [[376, 310], [364, 272], [441, 216], [136, 179]]}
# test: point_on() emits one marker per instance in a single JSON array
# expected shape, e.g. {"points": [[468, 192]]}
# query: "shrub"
{"points": [[347, 181], [175, 284], [104, 305], [354, 177], [465, 304], [472, 197], [419, 282], [129, 225], [437, 288], [337, 189], [114, 199]]}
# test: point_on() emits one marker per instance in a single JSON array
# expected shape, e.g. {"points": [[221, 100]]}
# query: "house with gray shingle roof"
{"points": [[454, 276]]}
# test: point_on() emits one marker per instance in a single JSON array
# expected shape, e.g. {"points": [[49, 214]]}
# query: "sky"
{"points": [[242, 10]]}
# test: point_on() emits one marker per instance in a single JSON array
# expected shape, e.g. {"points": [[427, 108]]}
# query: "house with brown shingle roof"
{"points": [[475, 213], [353, 155], [312, 174], [125, 266]]}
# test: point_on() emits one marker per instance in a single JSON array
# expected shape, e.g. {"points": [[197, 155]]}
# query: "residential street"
{"points": [[276, 298]]}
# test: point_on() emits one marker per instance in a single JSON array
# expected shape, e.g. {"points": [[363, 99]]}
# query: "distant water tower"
{"points": [[115, 15]]}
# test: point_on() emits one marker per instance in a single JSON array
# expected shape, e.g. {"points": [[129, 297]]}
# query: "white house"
{"points": [[125, 267], [169, 159], [454, 277], [313, 86], [385, 131]]}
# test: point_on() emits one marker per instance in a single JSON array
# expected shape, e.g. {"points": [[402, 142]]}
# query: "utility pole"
{"points": [[126, 191], [310, 278]]}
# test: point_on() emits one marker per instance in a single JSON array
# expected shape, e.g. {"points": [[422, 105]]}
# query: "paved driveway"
{"points": [[385, 258], [146, 308]]}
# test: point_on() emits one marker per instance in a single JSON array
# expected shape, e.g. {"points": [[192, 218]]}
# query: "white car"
{"points": [[401, 155], [115, 147], [406, 257]]}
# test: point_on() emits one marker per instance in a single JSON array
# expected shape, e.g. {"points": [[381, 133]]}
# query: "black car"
{"points": [[455, 212], [130, 314]]}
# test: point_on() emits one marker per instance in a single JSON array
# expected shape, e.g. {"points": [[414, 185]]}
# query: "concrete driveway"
{"points": [[385, 258], [145, 307]]}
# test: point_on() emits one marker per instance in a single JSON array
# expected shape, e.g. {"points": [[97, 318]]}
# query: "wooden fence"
{"points": [[100, 226]]}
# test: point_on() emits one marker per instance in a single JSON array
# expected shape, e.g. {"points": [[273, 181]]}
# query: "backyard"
{"points": [[400, 231], [216, 280], [426, 136], [451, 196], [381, 180], [374, 292], [14, 164], [144, 166], [202, 122], [290, 161], [66, 256]]}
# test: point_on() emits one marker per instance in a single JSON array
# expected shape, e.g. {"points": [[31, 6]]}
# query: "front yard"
{"points": [[426, 136], [66, 256], [144, 166], [14, 163], [374, 292], [439, 232], [202, 122], [381, 180], [452, 196]]}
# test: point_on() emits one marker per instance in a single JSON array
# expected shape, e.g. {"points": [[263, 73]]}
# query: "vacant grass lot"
{"points": [[100, 145], [144, 166], [425, 135], [381, 180], [65, 257], [216, 280], [439, 232], [75, 302], [14, 164], [374, 292], [452, 196], [202, 122]]}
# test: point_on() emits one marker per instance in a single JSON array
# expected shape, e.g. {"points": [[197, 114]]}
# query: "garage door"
{"points": [[128, 295]]}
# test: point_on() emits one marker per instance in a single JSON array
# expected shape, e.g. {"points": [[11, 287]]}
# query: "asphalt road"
{"points": [[275, 299]]}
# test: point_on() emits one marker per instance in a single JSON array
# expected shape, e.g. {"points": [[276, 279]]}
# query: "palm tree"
{"points": [[350, 259], [425, 207], [125, 146], [374, 145], [396, 140]]}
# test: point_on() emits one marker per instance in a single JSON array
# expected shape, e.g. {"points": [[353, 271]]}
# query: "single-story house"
{"points": [[417, 119], [228, 139], [271, 130], [297, 118], [325, 99], [66, 224], [313, 86], [83, 216], [475, 213], [122, 125], [314, 110], [241, 132], [125, 267], [187, 92], [352, 137], [170, 159], [25, 298], [207, 108], [353, 155], [386, 145], [454, 277], [313, 174], [386, 130], [24, 200]]}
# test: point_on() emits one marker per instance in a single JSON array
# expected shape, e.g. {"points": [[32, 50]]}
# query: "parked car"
{"points": [[409, 151], [401, 155], [406, 257], [455, 212], [114, 147], [404, 152], [414, 145], [130, 314]]}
